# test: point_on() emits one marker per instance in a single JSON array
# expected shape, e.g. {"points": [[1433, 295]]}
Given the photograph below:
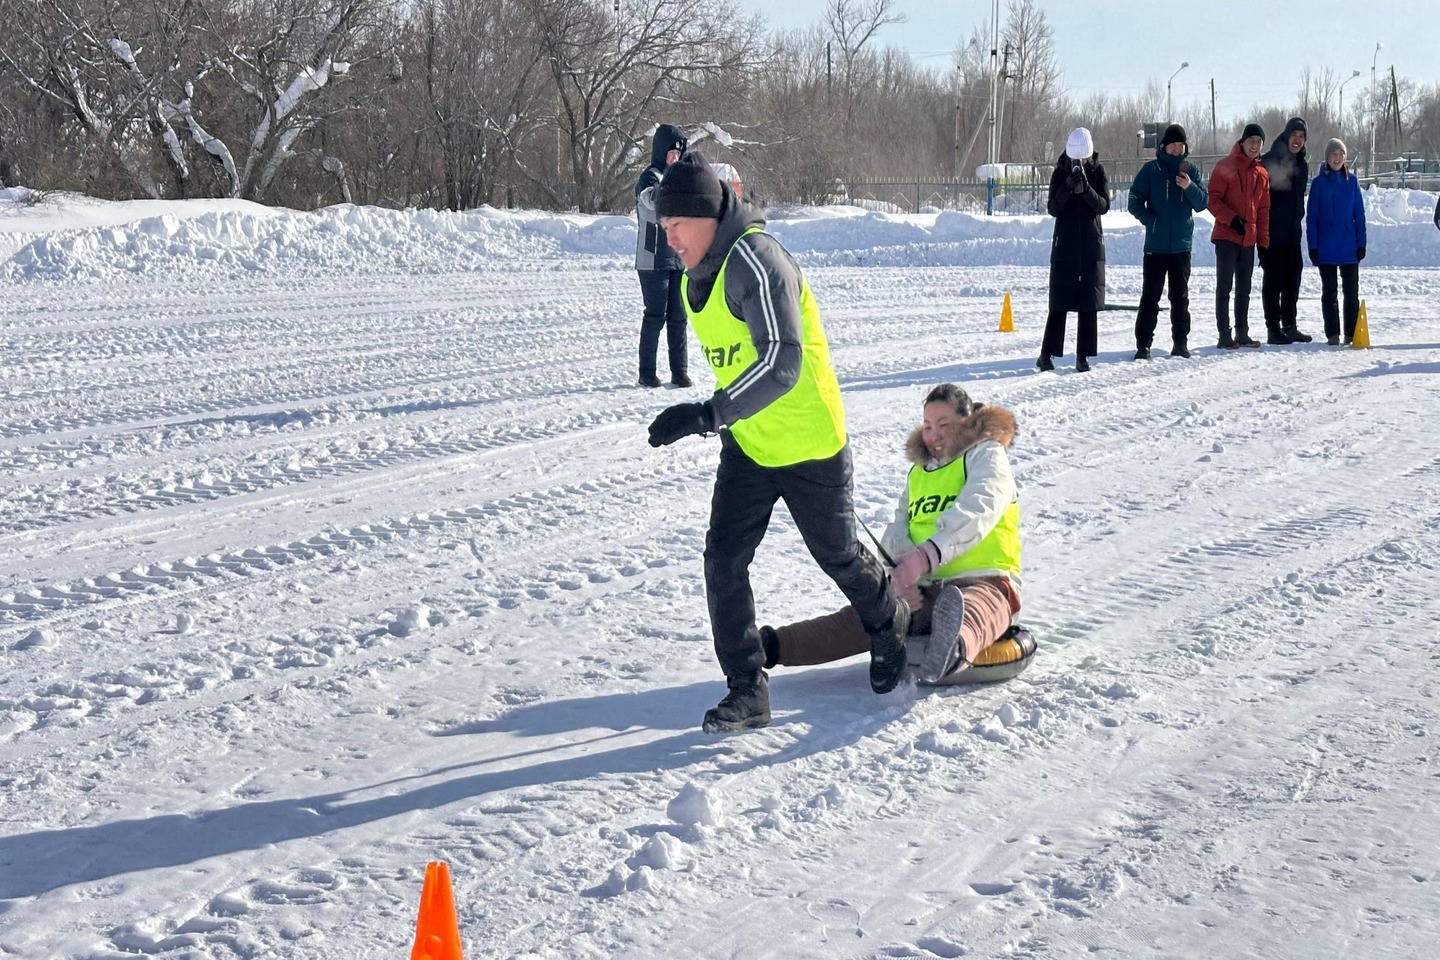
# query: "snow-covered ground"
{"points": [[330, 544]]}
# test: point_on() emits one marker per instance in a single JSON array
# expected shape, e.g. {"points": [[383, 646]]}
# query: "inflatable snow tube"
{"points": [[1007, 657]]}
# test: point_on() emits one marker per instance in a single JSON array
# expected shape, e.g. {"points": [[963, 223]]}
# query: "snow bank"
{"points": [[79, 239]]}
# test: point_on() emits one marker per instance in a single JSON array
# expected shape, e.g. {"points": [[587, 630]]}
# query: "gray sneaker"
{"points": [[944, 652]]}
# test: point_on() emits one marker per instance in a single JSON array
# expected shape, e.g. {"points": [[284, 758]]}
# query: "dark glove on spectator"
{"points": [[681, 420], [1077, 179], [1261, 253], [1315, 256], [1360, 252], [1237, 223]]}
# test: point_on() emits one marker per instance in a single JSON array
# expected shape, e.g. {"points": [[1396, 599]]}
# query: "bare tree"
{"points": [[484, 85], [1034, 100], [611, 74], [853, 24]]}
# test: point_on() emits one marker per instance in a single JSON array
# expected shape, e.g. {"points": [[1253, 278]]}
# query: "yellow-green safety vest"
{"points": [[932, 492], [807, 422]]}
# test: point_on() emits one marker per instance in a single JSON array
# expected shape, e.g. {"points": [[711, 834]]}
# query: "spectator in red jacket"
{"points": [[1240, 201]]}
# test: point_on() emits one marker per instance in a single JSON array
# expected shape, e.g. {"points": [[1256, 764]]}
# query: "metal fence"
{"points": [[1028, 193]]}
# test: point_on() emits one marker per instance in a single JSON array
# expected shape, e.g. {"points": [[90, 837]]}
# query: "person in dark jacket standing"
{"points": [[1166, 195], [658, 267], [1335, 224], [1240, 201], [1079, 195], [781, 422], [1282, 262]]}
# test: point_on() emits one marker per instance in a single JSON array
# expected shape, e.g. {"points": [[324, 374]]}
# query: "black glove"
{"points": [[1077, 179], [1360, 252], [1261, 252], [1315, 256], [1237, 223], [681, 420]]}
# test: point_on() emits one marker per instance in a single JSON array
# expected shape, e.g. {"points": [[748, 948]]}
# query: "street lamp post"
{"points": [[1169, 115], [1340, 108], [1374, 97]]}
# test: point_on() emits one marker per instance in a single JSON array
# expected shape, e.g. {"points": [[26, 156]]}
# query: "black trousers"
{"points": [[818, 493], [1087, 337], [1157, 269], [1349, 276], [1280, 289], [663, 310], [1234, 265]]}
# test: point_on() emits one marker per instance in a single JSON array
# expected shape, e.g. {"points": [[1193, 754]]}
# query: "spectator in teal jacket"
{"points": [[1166, 195]]}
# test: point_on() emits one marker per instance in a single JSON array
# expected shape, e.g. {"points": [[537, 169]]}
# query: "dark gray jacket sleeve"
{"points": [[762, 287]]}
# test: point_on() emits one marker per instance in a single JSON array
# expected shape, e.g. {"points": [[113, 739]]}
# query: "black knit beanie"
{"points": [[690, 189], [1173, 134], [1252, 130]]}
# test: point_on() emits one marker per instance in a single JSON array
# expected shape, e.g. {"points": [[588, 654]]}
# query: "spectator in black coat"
{"points": [[1079, 195], [1283, 261]]}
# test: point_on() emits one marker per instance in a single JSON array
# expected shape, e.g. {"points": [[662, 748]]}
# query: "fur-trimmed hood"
{"points": [[985, 423]]}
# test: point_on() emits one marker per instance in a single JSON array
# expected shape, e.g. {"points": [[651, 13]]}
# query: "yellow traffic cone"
{"points": [[1007, 319], [1361, 340]]}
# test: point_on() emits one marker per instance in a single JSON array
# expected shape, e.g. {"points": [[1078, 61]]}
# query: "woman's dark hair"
{"points": [[958, 399]]}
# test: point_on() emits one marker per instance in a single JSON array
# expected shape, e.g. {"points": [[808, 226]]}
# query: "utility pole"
{"points": [[994, 152], [1004, 78], [1214, 131]]}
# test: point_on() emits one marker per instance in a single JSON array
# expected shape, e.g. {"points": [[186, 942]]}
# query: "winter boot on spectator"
{"points": [[1296, 334], [1227, 342], [1178, 349], [887, 650], [1142, 353], [745, 707], [1045, 363], [1277, 336], [1242, 337]]}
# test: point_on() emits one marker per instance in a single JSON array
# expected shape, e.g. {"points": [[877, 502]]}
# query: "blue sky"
{"points": [[1254, 49]]}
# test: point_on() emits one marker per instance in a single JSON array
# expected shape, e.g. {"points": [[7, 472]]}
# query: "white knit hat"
{"points": [[1079, 146]]}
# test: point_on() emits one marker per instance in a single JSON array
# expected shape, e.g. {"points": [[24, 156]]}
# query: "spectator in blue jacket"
{"points": [[1335, 226], [1166, 195]]}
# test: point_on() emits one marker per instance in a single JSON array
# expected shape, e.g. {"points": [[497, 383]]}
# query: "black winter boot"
{"points": [[1227, 342], [1178, 349], [1297, 335], [1278, 337], [745, 707], [1045, 363], [770, 642], [887, 650]]}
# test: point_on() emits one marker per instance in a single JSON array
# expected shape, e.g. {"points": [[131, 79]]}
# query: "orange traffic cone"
{"points": [[1361, 340], [1007, 319], [437, 931]]}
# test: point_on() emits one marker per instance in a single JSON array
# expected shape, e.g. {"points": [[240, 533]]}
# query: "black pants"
{"points": [[818, 493], [1280, 289], [1235, 265], [1329, 302], [1087, 336], [663, 309], [1158, 267]]}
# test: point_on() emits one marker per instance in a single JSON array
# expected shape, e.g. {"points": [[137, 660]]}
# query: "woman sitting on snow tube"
{"points": [[955, 544]]}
